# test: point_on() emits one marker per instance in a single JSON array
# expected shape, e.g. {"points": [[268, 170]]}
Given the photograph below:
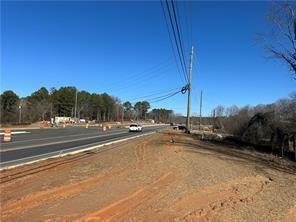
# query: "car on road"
{"points": [[135, 128]]}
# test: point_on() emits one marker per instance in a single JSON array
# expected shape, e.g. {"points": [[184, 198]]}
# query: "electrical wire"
{"points": [[149, 73], [153, 94], [167, 97], [176, 42], [172, 44], [143, 82], [186, 47], [179, 34], [163, 96]]}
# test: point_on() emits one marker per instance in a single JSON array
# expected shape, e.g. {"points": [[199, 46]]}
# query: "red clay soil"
{"points": [[153, 178]]}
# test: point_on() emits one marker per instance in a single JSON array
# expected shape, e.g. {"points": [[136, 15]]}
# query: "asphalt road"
{"points": [[42, 143]]}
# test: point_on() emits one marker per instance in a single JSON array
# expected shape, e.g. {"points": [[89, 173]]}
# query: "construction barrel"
{"points": [[7, 135]]}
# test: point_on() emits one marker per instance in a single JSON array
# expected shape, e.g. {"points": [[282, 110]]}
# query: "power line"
{"points": [[151, 72], [176, 42], [167, 97], [181, 29], [153, 94], [143, 78], [161, 98], [168, 94], [179, 35], [143, 82], [157, 66], [172, 44]]}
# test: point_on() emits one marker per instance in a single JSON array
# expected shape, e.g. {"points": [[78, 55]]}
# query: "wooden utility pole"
{"points": [[75, 108], [20, 114], [122, 114], [200, 108], [189, 90]]}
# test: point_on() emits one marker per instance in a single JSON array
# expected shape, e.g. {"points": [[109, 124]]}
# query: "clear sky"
{"points": [[123, 48]]}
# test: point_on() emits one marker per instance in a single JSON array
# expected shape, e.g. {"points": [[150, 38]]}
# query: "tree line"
{"points": [[270, 127], [235, 120], [45, 104]]}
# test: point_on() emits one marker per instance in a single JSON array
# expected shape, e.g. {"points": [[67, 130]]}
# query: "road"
{"points": [[42, 143]]}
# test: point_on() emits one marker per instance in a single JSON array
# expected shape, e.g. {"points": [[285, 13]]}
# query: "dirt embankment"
{"points": [[163, 177]]}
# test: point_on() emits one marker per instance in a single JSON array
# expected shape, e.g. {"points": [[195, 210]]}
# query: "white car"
{"points": [[135, 128]]}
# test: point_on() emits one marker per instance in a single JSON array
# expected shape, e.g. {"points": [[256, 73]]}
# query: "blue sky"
{"points": [[123, 48]]}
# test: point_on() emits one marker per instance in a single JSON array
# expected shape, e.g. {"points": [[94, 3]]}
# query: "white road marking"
{"points": [[16, 132]]}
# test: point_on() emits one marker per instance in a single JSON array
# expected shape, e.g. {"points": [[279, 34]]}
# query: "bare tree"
{"points": [[231, 111], [281, 41], [219, 111]]}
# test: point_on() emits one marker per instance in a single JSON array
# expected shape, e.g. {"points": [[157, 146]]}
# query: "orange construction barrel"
{"points": [[7, 135]]}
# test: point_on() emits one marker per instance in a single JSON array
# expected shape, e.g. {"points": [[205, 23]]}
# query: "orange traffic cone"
{"points": [[7, 135]]}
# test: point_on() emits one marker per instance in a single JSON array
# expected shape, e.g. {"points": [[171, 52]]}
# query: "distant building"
{"points": [[62, 119]]}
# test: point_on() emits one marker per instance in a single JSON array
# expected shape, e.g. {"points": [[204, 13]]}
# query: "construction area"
{"points": [[165, 176]]}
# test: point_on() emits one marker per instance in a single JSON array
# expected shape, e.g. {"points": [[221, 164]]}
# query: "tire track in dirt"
{"points": [[140, 151], [36, 199], [64, 163], [208, 202], [33, 200], [121, 207]]}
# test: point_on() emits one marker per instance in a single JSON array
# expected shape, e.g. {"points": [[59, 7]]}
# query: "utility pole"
{"points": [[75, 108], [189, 91], [20, 114], [200, 107], [122, 114]]}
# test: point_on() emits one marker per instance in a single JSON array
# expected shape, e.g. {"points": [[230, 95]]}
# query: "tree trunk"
{"points": [[294, 146], [98, 115]]}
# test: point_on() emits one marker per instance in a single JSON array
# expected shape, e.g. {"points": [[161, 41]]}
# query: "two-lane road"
{"points": [[42, 143]]}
